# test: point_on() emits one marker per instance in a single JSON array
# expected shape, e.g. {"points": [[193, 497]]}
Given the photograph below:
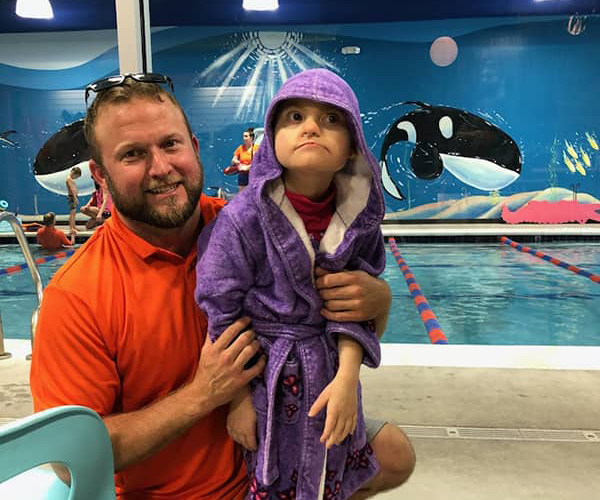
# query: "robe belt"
{"points": [[287, 336]]}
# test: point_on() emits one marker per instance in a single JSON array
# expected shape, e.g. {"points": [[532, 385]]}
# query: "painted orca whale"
{"points": [[5, 140], [472, 149], [66, 149]]}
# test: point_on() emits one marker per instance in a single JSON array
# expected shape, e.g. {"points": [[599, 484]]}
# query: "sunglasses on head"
{"points": [[116, 80]]}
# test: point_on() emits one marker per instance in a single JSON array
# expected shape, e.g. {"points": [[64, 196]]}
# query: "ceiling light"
{"points": [[260, 4], [35, 9]]}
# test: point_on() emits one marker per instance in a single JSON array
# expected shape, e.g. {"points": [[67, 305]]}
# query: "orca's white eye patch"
{"points": [[410, 130], [446, 127]]}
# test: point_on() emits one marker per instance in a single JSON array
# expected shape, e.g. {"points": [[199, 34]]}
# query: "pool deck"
{"points": [[479, 432]]}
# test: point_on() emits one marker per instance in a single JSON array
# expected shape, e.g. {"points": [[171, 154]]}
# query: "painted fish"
{"points": [[579, 167], [568, 162], [571, 150], [592, 140], [470, 148], [585, 157]]}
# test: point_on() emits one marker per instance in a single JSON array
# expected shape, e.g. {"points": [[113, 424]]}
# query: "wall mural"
{"points": [[473, 150], [63, 151], [5, 141], [261, 61], [471, 118]]}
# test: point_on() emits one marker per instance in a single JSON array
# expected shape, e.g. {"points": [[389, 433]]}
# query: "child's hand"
{"points": [[341, 399], [241, 420]]}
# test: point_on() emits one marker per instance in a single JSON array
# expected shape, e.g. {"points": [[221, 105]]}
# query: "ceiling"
{"points": [[100, 14]]}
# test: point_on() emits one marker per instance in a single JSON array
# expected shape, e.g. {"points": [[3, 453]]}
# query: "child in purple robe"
{"points": [[314, 200]]}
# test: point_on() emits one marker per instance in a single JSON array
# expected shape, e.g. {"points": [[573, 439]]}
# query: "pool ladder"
{"points": [[37, 281]]}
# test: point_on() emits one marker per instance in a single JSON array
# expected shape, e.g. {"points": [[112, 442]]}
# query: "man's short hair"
{"points": [[49, 219], [76, 171], [130, 89]]}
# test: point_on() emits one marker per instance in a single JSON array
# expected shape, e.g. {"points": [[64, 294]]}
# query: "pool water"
{"points": [[18, 298], [481, 294], [493, 294]]}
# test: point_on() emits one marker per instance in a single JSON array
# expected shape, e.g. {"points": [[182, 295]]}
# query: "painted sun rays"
{"points": [[268, 58]]}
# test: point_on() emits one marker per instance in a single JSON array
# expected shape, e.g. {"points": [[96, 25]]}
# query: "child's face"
{"points": [[312, 136]]}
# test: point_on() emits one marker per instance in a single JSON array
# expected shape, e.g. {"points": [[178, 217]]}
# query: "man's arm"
{"points": [[354, 296], [220, 374], [139, 434]]}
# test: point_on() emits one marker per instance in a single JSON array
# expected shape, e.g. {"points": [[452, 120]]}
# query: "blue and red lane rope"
{"points": [[594, 277], [40, 260], [436, 335]]}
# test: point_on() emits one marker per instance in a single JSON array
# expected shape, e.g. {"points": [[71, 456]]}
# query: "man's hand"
{"points": [[221, 374], [353, 296], [139, 434]]}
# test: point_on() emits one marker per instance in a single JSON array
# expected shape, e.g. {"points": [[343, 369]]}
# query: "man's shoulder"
{"points": [[92, 263]]}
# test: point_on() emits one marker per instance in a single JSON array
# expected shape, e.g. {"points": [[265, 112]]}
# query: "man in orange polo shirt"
{"points": [[129, 341]]}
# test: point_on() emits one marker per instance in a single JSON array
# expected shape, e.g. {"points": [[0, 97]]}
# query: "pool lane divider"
{"points": [[594, 277], [436, 335], [40, 260]]}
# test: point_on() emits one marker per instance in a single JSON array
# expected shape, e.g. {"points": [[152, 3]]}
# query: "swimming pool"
{"points": [[18, 297], [482, 294], [492, 294]]}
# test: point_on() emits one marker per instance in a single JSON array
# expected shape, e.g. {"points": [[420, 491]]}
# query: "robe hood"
{"points": [[359, 182]]}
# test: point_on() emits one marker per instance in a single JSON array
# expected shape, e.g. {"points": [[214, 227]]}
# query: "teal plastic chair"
{"points": [[74, 436]]}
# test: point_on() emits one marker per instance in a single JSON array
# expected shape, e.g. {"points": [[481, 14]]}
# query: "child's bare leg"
{"points": [[72, 221]]}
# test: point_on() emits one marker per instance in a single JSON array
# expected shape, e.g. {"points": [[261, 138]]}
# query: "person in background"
{"points": [[72, 192], [130, 342], [242, 157], [98, 207], [315, 201], [51, 238]]}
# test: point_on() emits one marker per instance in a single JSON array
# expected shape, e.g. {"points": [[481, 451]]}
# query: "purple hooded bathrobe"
{"points": [[258, 261]]}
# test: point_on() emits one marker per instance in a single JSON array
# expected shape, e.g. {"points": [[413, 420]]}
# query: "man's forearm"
{"points": [[137, 435], [382, 318]]}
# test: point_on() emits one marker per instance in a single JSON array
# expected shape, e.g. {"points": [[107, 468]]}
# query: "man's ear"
{"points": [[98, 174]]}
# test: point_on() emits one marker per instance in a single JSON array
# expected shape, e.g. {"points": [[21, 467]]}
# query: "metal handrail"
{"points": [[37, 280]]}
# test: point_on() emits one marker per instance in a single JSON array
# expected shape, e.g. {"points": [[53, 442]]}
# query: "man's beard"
{"points": [[135, 207]]}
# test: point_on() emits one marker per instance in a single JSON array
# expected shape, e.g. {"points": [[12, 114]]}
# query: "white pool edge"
{"points": [[465, 356], [492, 356]]}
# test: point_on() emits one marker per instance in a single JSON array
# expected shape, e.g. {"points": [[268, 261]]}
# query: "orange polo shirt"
{"points": [[119, 329]]}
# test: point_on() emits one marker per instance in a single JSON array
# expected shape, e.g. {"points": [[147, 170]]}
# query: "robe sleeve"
{"points": [[224, 273], [369, 257]]}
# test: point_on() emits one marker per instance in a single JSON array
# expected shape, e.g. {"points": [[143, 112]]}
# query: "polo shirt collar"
{"points": [[140, 246]]}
